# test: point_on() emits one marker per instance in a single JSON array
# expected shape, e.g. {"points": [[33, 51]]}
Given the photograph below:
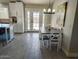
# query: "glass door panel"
{"points": [[35, 20], [32, 21], [28, 20]]}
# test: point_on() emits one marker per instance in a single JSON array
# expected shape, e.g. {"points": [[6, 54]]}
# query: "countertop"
{"points": [[5, 25]]}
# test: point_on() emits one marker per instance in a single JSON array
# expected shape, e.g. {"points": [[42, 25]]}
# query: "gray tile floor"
{"points": [[27, 46]]}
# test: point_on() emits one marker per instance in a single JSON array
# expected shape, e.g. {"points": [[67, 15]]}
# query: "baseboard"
{"points": [[66, 52], [69, 54], [18, 32], [32, 31]]}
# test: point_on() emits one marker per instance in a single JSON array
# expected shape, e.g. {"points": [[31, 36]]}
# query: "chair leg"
{"points": [[57, 48], [49, 45], [45, 43], [41, 43]]}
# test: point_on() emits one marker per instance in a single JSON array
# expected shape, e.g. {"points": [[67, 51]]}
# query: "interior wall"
{"points": [[4, 1], [47, 20], [58, 2], [74, 39], [67, 30], [38, 8], [31, 10], [58, 18]]}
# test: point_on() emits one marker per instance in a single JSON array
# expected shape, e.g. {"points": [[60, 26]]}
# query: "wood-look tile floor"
{"points": [[27, 46]]}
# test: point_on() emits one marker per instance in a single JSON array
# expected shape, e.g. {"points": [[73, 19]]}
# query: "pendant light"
{"points": [[49, 9]]}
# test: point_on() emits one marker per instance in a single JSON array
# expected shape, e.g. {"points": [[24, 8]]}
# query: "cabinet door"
{"points": [[20, 12], [16, 9], [12, 8], [20, 16], [11, 32]]}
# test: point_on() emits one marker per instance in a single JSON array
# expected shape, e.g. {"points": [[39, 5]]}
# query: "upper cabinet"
{"points": [[4, 14], [17, 12], [12, 7]]}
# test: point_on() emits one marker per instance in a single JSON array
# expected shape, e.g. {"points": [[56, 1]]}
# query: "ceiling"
{"points": [[37, 1], [30, 1]]}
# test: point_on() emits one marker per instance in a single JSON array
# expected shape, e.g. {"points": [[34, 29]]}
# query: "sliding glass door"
{"points": [[32, 21], [36, 21], [28, 20]]}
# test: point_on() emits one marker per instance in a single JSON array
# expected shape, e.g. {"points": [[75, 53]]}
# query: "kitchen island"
{"points": [[6, 33]]}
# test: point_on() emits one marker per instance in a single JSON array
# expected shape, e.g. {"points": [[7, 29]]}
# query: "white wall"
{"points": [[38, 8], [47, 19], [58, 2], [58, 17], [74, 39], [67, 30], [31, 10], [4, 1]]}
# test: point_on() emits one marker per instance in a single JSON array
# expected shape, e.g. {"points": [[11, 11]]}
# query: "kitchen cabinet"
{"points": [[17, 10]]}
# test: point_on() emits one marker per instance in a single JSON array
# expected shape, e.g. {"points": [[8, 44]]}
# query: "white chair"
{"points": [[55, 40], [44, 35], [45, 39]]}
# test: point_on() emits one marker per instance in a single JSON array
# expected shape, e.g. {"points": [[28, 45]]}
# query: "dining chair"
{"points": [[55, 40], [45, 39]]}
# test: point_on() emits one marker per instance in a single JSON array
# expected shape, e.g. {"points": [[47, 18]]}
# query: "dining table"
{"points": [[46, 32]]}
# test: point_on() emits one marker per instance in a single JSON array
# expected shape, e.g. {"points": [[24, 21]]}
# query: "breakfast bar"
{"points": [[6, 33]]}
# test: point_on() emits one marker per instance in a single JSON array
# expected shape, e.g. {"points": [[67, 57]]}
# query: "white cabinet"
{"points": [[20, 16], [17, 10], [12, 7], [11, 32]]}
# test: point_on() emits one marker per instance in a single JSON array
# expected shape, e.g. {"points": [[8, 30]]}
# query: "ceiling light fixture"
{"points": [[49, 10]]}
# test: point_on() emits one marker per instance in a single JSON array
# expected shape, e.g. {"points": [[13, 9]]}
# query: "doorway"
{"points": [[32, 21]]}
